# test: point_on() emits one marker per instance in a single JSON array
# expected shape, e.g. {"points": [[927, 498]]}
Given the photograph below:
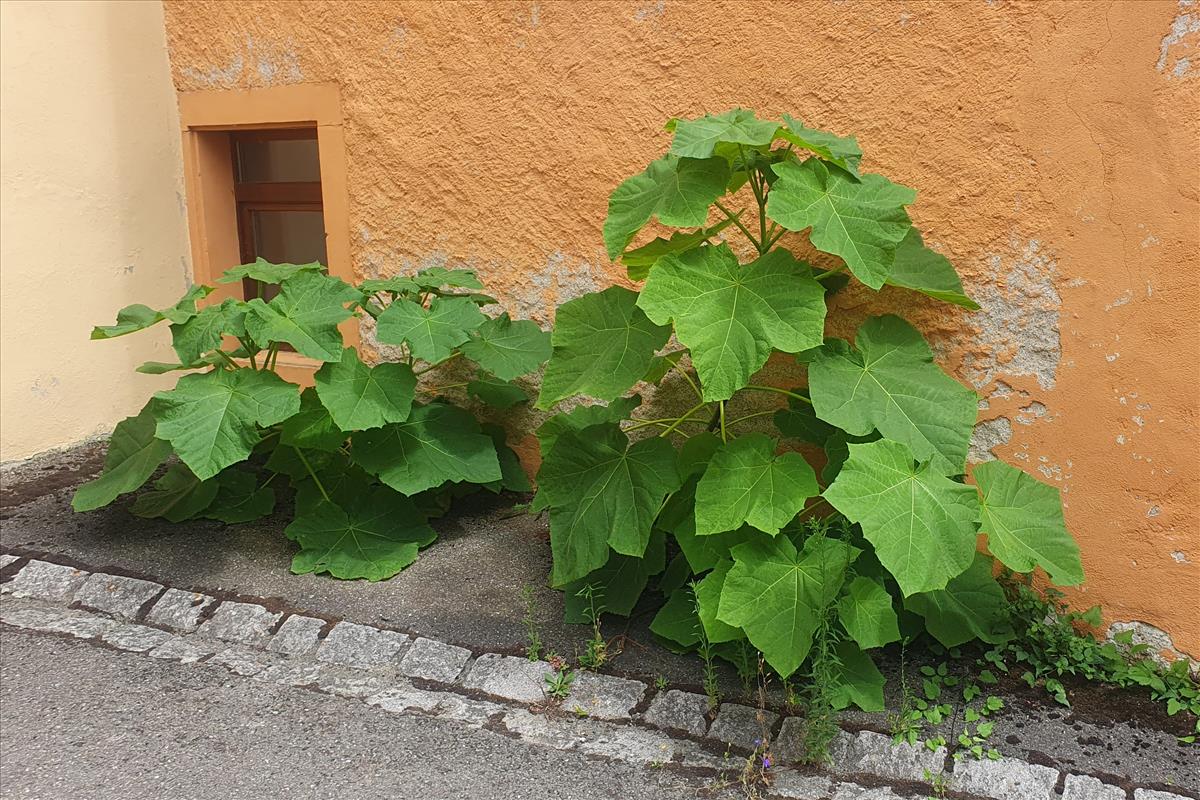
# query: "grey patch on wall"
{"points": [[988, 435], [650, 11], [273, 66], [1019, 314], [1029, 413], [562, 278], [1158, 640], [1174, 42], [217, 77]]}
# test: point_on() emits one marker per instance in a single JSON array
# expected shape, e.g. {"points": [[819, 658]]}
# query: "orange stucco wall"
{"points": [[1056, 147]]}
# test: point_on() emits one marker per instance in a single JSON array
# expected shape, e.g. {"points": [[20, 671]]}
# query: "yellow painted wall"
{"points": [[91, 214]]}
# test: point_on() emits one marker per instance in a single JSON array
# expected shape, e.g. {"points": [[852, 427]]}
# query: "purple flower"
{"points": [[766, 762]]}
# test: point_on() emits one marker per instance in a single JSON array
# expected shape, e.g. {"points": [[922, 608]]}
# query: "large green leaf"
{"points": [[918, 268], [439, 277], [677, 621], [891, 384], [867, 615], [615, 587], [677, 190], [603, 344], [921, 523], [776, 594], [581, 417], [212, 419], [305, 314], [602, 492], [856, 679], [732, 317], [437, 443], [513, 475], [708, 602], [698, 138], [133, 454], [840, 150], [239, 498], [266, 272], [177, 496], [360, 397], [1023, 520], [639, 261], [863, 221], [431, 333], [202, 333], [508, 349], [800, 421], [312, 426], [139, 317], [373, 537], [497, 393], [747, 483], [972, 606]]}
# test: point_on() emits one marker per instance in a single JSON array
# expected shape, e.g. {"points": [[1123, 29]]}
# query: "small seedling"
{"points": [[558, 683], [533, 638]]}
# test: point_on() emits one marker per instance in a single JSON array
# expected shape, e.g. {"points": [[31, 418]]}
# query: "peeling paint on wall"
{"points": [[1179, 45], [989, 435]]}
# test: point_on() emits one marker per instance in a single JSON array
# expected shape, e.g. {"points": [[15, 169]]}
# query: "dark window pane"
{"points": [[277, 161], [296, 237]]}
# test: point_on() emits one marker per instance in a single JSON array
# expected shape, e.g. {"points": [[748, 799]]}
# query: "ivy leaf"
{"points": [[139, 317], [437, 443], [496, 393], [921, 523], [891, 384], [918, 268], [856, 679], [1023, 519], [800, 421], [775, 594], [731, 317], [508, 349], [615, 587], [841, 150], [133, 454], [431, 333], [311, 427], [201, 334], [177, 496], [305, 314], [698, 138], [582, 417], [374, 537], [360, 397], [239, 498], [678, 191], [676, 621], [867, 615], [747, 483], [212, 419], [972, 606], [266, 272], [602, 492], [639, 260], [863, 222], [603, 344], [708, 600]]}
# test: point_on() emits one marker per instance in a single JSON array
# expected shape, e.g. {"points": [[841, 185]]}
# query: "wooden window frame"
{"points": [[210, 119]]}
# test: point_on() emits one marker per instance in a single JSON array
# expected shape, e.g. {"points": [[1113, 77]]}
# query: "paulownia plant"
{"points": [[884, 539], [370, 452]]}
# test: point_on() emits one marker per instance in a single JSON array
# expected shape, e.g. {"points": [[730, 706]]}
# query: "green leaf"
{"points": [[867, 615], [891, 384], [133, 454], [661, 366], [212, 419], [776, 594], [1023, 519], [311, 427], [202, 333], [747, 483], [163, 367], [698, 138], [437, 443], [678, 191], [921, 523], [398, 283], [266, 272], [496, 393], [603, 344], [676, 621], [239, 498], [508, 349], [918, 268], [972, 606], [708, 600], [861, 221], [431, 333], [800, 421], [857, 680], [139, 317], [602, 492], [360, 397], [841, 150], [513, 476], [438, 277], [639, 261], [177, 496], [375, 537], [617, 586], [732, 317], [582, 417], [305, 314]]}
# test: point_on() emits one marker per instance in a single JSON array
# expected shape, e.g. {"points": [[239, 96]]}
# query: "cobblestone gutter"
{"points": [[603, 716]]}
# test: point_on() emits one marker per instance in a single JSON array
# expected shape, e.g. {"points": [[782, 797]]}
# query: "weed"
{"points": [[596, 653], [559, 682], [533, 638]]}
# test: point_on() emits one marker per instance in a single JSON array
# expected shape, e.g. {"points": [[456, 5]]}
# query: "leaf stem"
{"points": [[738, 224], [445, 360], [233, 364], [312, 474], [777, 390], [723, 437], [433, 389], [827, 273], [688, 378], [751, 416], [675, 425]]}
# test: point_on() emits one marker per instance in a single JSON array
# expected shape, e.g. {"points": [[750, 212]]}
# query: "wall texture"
{"points": [[92, 214], [1054, 146]]}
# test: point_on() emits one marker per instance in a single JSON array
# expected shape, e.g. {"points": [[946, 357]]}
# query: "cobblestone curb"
{"points": [[599, 717]]}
